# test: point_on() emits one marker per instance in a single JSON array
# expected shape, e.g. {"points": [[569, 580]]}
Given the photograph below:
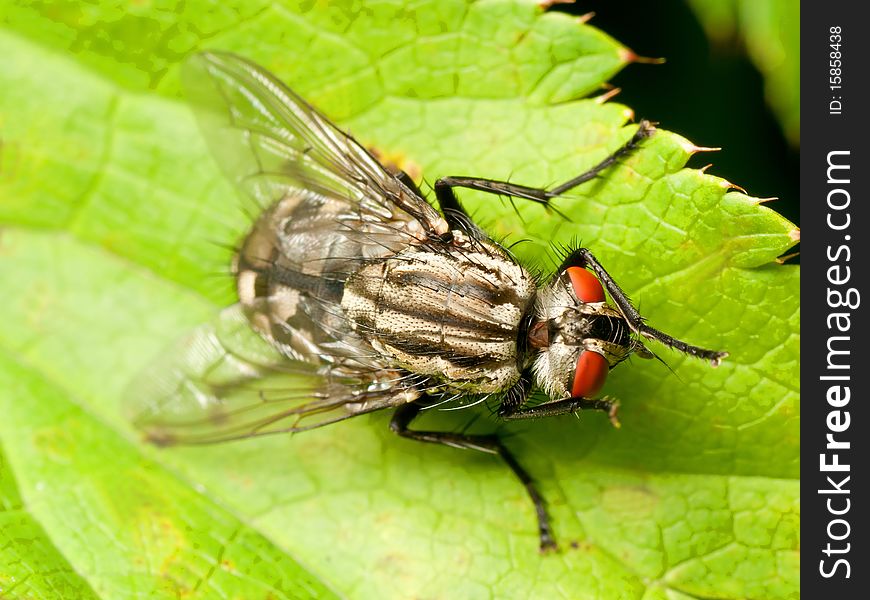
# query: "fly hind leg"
{"points": [[491, 444]]}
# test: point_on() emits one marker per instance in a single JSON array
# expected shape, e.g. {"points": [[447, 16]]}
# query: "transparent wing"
{"points": [[285, 358], [272, 143], [225, 382], [325, 205]]}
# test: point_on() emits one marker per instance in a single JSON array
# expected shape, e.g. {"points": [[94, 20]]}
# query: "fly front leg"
{"points": [[491, 444], [563, 407], [582, 257], [456, 215]]}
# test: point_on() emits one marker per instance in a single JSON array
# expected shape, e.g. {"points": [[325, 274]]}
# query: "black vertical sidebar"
{"points": [[835, 361]]}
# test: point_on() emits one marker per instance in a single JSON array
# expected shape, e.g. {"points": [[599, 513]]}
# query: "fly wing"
{"points": [[326, 205], [289, 146], [285, 358], [225, 382]]}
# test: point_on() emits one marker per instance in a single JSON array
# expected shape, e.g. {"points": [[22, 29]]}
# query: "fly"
{"points": [[356, 295]]}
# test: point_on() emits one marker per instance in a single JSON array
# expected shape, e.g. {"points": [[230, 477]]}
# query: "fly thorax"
{"points": [[451, 312]]}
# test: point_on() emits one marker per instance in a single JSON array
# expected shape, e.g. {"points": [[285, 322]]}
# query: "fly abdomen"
{"points": [[451, 316]]}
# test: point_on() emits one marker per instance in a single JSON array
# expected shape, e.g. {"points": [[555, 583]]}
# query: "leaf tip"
{"points": [[691, 148], [601, 99], [731, 186], [795, 234], [763, 200], [786, 257], [585, 18], [627, 55]]}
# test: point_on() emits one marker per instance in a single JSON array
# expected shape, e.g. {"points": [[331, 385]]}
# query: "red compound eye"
{"points": [[587, 288], [592, 369]]}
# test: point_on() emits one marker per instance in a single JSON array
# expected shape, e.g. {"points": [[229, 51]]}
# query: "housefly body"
{"points": [[356, 295]]}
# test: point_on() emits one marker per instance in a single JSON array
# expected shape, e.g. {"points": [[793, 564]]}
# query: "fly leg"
{"points": [[491, 444], [450, 204], [563, 407], [582, 257]]}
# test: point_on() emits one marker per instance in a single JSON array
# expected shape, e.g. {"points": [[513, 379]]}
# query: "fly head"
{"points": [[577, 336]]}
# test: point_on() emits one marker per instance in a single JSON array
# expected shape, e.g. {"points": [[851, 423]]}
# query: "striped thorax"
{"points": [[453, 316]]}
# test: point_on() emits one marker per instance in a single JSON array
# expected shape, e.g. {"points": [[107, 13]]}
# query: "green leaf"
{"points": [[770, 31], [112, 207]]}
